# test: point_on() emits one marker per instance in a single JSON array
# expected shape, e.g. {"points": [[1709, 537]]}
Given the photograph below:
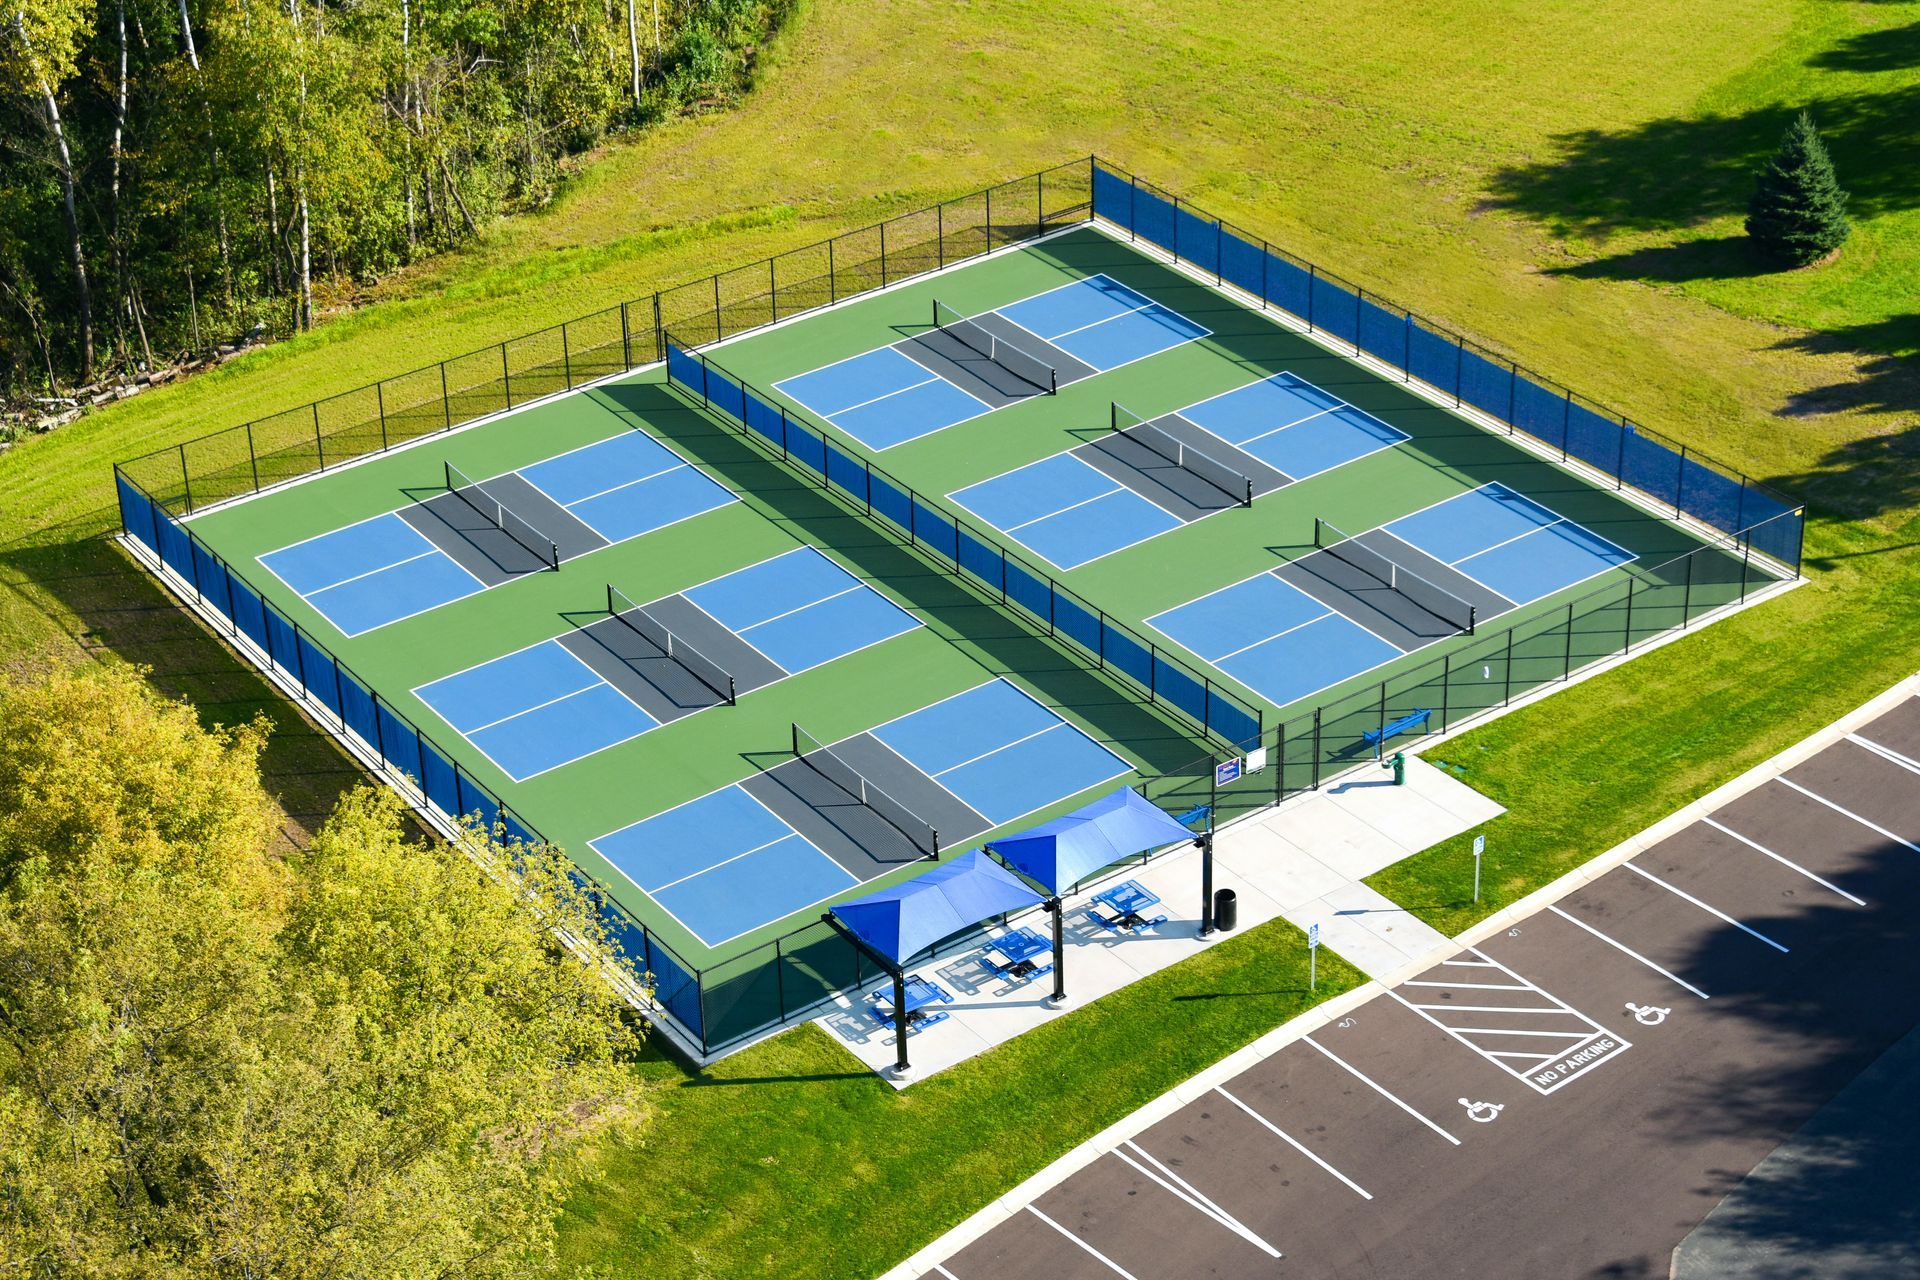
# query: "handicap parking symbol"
{"points": [[1647, 1015], [1483, 1112]]}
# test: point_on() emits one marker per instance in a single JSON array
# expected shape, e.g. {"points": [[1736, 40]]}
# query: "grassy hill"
{"points": [[1564, 182]]}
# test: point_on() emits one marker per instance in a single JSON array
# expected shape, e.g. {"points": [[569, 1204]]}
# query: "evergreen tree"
{"points": [[1799, 213]]}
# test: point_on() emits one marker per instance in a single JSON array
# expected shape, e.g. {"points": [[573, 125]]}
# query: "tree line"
{"points": [[177, 172]]}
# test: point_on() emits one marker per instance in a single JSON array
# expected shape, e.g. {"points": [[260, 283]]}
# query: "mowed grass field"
{"points": [[1563, 182]]}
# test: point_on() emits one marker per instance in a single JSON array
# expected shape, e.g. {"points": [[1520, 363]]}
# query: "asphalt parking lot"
{"points": [[1569, 1098]]}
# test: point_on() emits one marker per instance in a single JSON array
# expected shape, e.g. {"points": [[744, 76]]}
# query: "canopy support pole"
{"points": [[1055, 909], [1205, 841], [899, 975]]}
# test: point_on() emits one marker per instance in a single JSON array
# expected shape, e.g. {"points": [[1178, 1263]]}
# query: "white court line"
{"points": [[615, 488], [1186, 1191], [1905, 762], [1539, 528], [661, 888], [1755, 845], [888, 396], [997, 750], [751, 626], [1288, 1138], [430, 551], [598, 680], [1621, 946], [1110, 1264], [1709, 909], [1867, 823], [1275, 636], [1058, 511], [1356, 1073]]}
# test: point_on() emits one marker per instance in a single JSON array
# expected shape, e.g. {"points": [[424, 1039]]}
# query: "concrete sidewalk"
{"points": [[1302, 861]]}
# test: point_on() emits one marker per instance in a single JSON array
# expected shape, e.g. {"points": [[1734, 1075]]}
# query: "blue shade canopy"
{"points": [[1066, 850], [910, 917]]}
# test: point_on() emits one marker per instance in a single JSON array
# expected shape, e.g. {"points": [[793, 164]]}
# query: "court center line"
{"points": [[1094, 324], [1264, 435], [1288, 1138], [1014, 528], [482, 728], [1375, 1085], [1179, 1186], [1109, 1263], [887, 396], [430, 551], [652, 475], [1881, 749], [1496, 546], [1276, 635], [1755, 845], [1706, 907], [662, 888], [754, 626], [1867, 823], [1617, 945], [997, 750]]}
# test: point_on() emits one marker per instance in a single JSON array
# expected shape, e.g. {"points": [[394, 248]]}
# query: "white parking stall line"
{"points": [[1375, 1085], [1512, 1031], [943, 1271], [1467, 986], [1102, 1258], [1789, 863], [1845, 812], [1484, 1008], [1172, 1182], [1622, 947], [1288, 1138], [1707, 907], [1478, 964], [1885, 752], [1515, 1053]]}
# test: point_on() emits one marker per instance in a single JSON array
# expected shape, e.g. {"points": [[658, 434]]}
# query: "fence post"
{"points": [[659, 330], [1406, 352], [380, 403], [1566, 663], [1266, 256], [1620, 456], [446, 401], [1446, 687], [1279, 762], [319, 445], [566, 357], [1316, 749], [1459, 368], [626, 340], [1358, 294], [1383, 717], [833, 285], [989, 219], [1506, 694], [883, 255], [253, 459], [939, 235], [506, 375], [773, 291], [1313, 273], [1746, 565], [1627, 634], [1679, 481], [779, 981], [1686, 598], [719, 328], [1040, 202]]}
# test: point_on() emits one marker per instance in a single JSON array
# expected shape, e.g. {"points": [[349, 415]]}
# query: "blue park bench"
{"points": [[1413, 721]]}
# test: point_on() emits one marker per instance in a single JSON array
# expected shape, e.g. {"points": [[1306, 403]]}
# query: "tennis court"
{"points": [[1355, 604], [642, 666], [833, 816], [470, 535], [1143, 478], [960, 367]]}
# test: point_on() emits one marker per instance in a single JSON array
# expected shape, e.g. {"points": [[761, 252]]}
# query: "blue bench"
{"points": [[1415, 721]]}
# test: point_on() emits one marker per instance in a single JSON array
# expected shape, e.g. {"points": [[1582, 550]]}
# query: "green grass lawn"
{"points": [[1560, 181]]}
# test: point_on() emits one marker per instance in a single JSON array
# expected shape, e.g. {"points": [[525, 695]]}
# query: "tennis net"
{"points": [[823, 761], [1234, 484], [1393, 575], [501, 517], [655, 633], [1023, 365]]}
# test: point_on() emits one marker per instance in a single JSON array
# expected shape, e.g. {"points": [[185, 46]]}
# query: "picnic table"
{"points": [[1129, 901], [920, 994], [1019, 947]]}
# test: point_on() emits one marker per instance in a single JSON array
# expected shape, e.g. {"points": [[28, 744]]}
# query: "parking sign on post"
{"points": [[1313, 956]]}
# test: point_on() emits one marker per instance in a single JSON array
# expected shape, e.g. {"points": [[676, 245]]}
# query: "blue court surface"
{"points": [[1102, 322], [627, 485], [1293, 426], [1071, 513], [1066, 511], [726, 864], [371, 573], [1285, 645], [1000, 751], [1509, 542], [543, 707], [800, 609], [535, 710], [886, 397]]}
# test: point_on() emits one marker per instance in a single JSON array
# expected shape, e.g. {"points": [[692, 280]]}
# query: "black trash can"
{"points": [[1226, 909]]}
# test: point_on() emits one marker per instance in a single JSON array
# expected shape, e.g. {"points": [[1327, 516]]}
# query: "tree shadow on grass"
{"points": [[1670, 174], [1888, 49]]}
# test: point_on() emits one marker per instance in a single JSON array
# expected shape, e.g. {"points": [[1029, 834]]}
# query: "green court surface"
{"points": [[907, 658]]}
